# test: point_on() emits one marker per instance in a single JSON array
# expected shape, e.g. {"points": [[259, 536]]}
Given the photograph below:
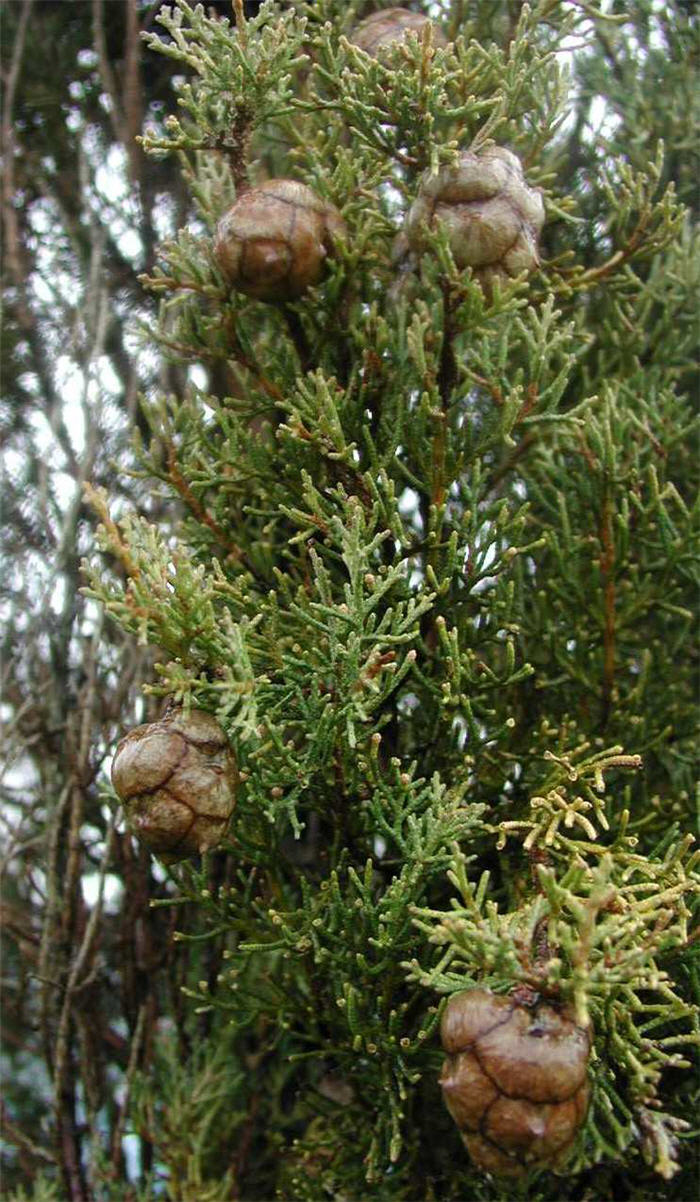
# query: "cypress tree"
{"points": [[433, 571]]}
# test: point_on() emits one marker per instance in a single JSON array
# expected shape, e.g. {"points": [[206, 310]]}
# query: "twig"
{"points": [[195, 505], [12, 245], [447, 372], [301, 342], [607, 564], [21, 1140], [134, 1054], [125, 117], [245, 1144]]}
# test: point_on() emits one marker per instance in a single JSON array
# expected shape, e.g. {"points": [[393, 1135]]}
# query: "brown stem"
{"points": [[125, 109], [298, 336], [244, 1146], [107, 76], [12, 238], [616, 260], [262, 382], [97, 499], [607, 566], [447, 372], [509, 463], [194, 504], [133, 100], [70, 1142], [15, 255], [446, 380], [134, 1056]]}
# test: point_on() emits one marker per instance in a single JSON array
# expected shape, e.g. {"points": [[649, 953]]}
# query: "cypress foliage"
{"points": [[434, 572]]}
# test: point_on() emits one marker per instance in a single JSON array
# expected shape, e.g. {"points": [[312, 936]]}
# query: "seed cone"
{"points": [[177, 779], [492, 217], [273, 242], [515, 1080], [387, 28]]}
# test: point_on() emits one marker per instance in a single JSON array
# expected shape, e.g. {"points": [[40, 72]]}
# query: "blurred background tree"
{"points": [[83, 209]]}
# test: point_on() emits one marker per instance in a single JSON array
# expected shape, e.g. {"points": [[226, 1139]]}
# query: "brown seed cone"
{"points": [[385, 29], [273, 242], [177, 779], [515, 1080], [493, 219]]}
